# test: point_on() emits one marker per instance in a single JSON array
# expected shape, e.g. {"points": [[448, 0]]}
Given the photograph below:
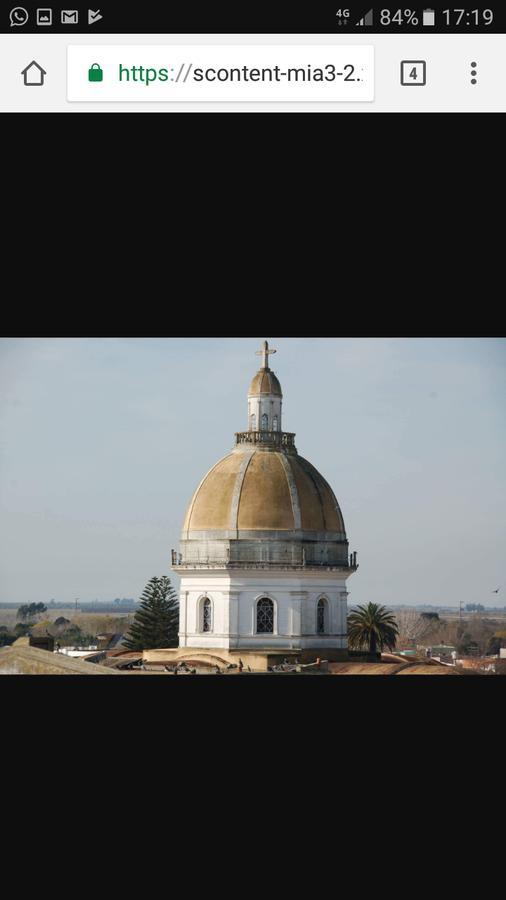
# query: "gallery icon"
{"points": [[69, 16], [93, 16], [18, 16], [44, 17], [33, 75]]}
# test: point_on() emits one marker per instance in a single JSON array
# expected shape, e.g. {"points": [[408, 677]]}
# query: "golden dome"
{"points": [[265, 382], [263, 490]]}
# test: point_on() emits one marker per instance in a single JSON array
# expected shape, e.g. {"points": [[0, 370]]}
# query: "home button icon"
{"points": [[33, 75]]}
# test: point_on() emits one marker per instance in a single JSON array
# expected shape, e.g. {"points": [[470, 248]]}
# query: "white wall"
{"points": [[266, 404], [234, 598]]}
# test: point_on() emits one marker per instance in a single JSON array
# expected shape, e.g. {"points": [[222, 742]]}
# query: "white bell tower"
{"points": [[264, 557], [265, 399]]}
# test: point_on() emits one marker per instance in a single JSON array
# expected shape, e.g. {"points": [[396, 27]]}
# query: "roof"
{"points": [[24, 660], [263, 490], [399, 668], [363, 668], [265, 382], [122, 662], [117, 639], [393, 658], [423, 669], [114, 638]]}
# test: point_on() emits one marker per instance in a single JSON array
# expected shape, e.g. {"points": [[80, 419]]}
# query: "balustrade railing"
{"points": [[290, 562], [284, 439]]}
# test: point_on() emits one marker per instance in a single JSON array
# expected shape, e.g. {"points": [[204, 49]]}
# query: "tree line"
{"points": [[31, 611]]}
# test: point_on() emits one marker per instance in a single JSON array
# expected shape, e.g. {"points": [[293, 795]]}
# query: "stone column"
{"points": [[231, 622], [343, 612], [183, 610], [297, 598]]}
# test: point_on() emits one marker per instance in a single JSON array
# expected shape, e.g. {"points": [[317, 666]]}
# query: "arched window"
{"points": [[321, 616], [275, 423], [265, 616], [265, 422], [252, 422], [206, 614]]}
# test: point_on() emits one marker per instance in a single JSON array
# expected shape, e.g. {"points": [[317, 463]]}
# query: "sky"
{"points": [[103, 442]]}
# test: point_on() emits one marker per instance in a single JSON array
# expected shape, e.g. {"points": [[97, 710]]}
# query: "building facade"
{"points": [[264, 557]]}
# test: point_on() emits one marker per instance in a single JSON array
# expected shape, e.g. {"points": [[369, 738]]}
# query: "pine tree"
{"points": [[156, 622]]}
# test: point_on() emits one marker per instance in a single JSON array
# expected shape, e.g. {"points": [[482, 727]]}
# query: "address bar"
{"points": [[326, 72]]}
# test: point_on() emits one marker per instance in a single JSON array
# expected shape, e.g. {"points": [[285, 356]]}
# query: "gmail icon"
{"points": [[69, 16]]}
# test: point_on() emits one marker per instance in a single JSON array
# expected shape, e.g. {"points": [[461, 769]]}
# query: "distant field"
{"points": [[501, 617], [92, 623], [454, 614], [469, 616]]}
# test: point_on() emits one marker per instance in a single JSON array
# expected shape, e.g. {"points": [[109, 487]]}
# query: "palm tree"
{"points": [[372, 626]]}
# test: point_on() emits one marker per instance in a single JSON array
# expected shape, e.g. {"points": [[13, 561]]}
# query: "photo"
{"points": [[252, 506]]}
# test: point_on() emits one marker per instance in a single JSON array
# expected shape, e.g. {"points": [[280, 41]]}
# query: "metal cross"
{"points": [[265, 352]]}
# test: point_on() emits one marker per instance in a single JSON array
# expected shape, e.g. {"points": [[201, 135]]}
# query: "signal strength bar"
{"points": [[368, 20]]}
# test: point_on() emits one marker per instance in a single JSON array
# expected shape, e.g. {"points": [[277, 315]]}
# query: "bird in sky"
{"points": [[497, 591]]}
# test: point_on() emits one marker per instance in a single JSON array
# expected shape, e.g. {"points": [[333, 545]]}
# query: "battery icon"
{"points": [[429, 17]]}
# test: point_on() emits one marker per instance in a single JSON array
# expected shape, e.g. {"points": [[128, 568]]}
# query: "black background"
{"points": [[286, 223], [222, 16]]}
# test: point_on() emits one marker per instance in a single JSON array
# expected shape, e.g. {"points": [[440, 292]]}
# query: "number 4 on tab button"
{"points": [[413, 72], [95, 73]]}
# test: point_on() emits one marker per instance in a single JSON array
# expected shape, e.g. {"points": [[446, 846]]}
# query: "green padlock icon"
{"points": [[95, 73]]}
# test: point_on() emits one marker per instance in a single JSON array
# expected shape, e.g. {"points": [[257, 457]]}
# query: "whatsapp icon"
{"points": [[18, 16]]}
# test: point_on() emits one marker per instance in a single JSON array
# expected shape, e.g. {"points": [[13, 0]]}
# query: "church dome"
{"points": [[265, 382], [263, 490], [263, 505]]}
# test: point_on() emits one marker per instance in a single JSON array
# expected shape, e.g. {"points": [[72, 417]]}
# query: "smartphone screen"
{"points": [[318, 56]]}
